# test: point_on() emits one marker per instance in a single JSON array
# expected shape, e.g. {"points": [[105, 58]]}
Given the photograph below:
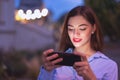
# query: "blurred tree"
{"points": [[108, 12]]}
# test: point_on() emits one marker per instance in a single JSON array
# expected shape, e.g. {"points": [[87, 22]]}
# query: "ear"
{"points": [[94, 27]]}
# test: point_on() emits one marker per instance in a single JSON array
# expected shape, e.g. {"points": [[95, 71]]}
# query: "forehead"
{"points": [[77, 20]]}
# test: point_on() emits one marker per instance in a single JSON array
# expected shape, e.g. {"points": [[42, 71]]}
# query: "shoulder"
{"points": [[107, 59], [103, 66], [101, 59]]}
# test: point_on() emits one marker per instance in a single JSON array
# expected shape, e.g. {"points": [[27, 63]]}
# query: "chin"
{"points": [[77, 45]]}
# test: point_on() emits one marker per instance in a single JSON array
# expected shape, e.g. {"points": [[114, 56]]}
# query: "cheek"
{"points": [[86, 35], [70, 35]]}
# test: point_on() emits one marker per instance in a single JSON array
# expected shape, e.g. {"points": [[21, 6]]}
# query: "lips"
{"points": [[77, 39]]}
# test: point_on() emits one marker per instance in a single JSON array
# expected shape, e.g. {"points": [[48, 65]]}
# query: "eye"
{"points": [[70, 29], [82, 28]]}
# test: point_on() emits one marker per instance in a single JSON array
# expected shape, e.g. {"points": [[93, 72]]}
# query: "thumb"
{"points": [[82, 56]]}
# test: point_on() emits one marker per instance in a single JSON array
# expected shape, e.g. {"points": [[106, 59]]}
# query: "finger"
{"points": [[52, 63], [48, 65], [82, 56], [45, 53], [79, 73], [83, 68], [80, 64], [54, 56], [57, 60], [75, 67]]}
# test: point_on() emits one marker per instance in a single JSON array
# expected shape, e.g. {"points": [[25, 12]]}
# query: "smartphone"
{"points": [[68, 58]]}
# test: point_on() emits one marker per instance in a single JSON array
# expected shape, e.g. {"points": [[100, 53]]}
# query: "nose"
{"points": [[76, 32]]}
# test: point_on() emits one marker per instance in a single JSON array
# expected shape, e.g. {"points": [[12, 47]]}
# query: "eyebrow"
{"points": [[83, 25], [78, 26]]}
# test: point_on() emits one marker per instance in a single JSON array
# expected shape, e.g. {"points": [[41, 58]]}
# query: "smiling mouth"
{"points": [[76, 39]]}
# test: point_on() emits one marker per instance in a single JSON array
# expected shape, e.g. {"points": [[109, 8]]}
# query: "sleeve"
{"points": [[45, 75], [112, 71]]}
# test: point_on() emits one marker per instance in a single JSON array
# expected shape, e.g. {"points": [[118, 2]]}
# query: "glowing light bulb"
{"points": [[28, 12], [20, 12], [44, 12], [37, 13]]}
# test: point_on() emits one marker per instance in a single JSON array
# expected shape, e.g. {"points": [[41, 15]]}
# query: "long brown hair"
{"points": [[89, 15]]}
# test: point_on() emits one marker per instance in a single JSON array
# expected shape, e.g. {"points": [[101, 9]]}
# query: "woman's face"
{"points": [[79, 31]]}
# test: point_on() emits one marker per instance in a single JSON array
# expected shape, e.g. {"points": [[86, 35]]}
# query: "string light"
{"points": [[29, 15]]}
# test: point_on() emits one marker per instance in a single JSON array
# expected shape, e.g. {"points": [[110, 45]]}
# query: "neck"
{"points": [[88, 51]]}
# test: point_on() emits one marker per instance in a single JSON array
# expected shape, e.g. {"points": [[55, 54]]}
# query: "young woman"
{"points": [[82, 36]]}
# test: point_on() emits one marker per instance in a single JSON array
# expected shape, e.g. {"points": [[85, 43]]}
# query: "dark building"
{"points": [[31, 4]]}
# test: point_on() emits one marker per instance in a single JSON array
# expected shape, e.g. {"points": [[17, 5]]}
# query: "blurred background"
{"points": [[27, 27]]}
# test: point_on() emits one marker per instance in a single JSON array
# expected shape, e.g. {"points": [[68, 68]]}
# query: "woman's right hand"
{"points": [[47, 63]]}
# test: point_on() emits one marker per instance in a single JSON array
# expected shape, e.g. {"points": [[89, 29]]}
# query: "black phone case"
{"points": [[68, 58]]}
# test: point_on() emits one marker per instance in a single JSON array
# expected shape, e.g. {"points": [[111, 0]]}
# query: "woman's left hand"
{"points": [[83, 69]]}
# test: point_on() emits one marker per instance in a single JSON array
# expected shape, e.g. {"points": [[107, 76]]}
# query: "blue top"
{"points": [[103, 67]]}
